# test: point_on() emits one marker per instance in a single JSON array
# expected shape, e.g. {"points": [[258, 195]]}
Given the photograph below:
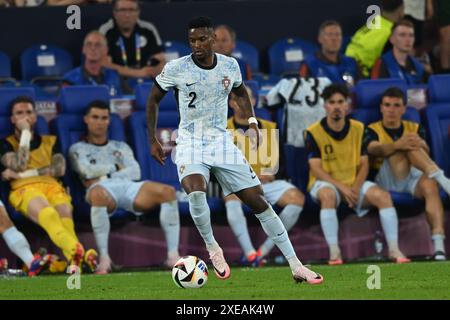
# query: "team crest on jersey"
{"points": [[182, 167], [226, 82]]}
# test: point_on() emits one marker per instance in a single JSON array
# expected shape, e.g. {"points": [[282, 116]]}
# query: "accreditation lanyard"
{"points": [[137, 42]]}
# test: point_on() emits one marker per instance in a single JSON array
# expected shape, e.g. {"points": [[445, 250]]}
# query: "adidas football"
{"points": [[190, 272]]}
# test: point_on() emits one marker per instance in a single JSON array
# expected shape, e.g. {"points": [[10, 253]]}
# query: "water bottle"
{"points": [[378, 245]]}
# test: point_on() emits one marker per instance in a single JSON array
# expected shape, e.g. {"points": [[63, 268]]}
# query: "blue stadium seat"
{"points": [[369, 92], [174, 50], [297, 168], [44, 65], [151, 169], [5, 70], [248, 53], [263, 113], [70, 128], [437, 121], [266, 80], [74, 99], [8, 94], [439, 92], [286, 55], [168, 103]]}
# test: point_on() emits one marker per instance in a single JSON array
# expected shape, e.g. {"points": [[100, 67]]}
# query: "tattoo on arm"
{"points": [[17, 161], [56, 169]]}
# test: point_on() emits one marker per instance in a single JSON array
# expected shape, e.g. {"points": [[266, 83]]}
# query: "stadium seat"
{"points": [[254, 86], [174, 50], [8, 94], [437, 121], [248, 53], [70, 128], [151, 169], [369, 92], [286, 55], [263, 113], [5, 70], [74, 99], [438, 86], [44, 65], [168, 103]]}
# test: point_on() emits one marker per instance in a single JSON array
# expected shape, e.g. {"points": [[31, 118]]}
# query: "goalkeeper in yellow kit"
{"points": [[32, 164]]}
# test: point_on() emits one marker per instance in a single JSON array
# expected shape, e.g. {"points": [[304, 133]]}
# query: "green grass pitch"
{"points": [[417, 280]]}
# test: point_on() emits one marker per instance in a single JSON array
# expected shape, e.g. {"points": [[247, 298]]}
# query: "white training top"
{"points": [[201, 93]]}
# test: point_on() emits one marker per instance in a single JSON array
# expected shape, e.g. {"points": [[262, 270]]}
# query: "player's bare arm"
{"points": [[408, 142], [16, 161], [152, 117], [243, 101], [57, 167], [8, 175], [315, 165]]}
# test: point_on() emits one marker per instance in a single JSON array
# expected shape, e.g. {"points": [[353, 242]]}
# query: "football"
{"points": [[190, 272]]}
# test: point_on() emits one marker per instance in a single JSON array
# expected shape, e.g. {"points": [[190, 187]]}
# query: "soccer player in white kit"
{"points": [[202, 82], [111, 174]]}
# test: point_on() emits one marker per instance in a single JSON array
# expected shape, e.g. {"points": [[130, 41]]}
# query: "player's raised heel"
{"points": [[302, 274], [221, 267]]}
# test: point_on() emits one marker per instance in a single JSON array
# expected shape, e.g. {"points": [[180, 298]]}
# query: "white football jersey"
{"points": [[201, 93], [303, 105]]}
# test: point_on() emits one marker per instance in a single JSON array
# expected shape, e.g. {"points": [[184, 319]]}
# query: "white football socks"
{"points": [[169, 218], [101, 226], [238, 223], [289, 217], [18, 244], [200, 213]]}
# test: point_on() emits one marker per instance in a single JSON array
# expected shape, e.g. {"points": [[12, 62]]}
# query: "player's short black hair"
{"points": [[391, 5], [21, 99], [98, 104], [335, 88], [394, 92], [200, 22]]}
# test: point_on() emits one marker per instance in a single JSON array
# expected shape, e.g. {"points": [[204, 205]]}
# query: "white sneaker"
{"points": [[302, 273], [221, 267]]}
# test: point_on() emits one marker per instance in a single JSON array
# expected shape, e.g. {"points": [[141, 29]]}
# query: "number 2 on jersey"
{"points": [[193, 95]]}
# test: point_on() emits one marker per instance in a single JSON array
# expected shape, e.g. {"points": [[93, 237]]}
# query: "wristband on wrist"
{"points": [[252, 120], [29, 173]]}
